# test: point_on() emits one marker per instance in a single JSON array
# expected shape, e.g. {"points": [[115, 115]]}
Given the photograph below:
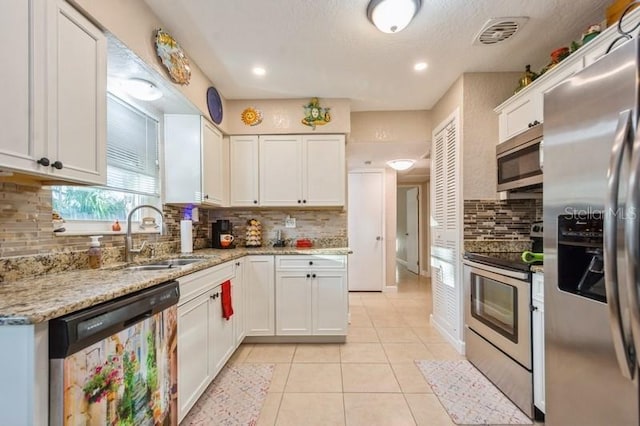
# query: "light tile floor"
{"points": [[369, 380]]}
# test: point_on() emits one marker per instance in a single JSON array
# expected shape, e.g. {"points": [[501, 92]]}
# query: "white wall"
{"points": [[390, 225], [401, 228]]}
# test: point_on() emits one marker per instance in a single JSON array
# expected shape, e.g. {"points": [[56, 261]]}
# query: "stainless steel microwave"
{"points": [[520, 161]]}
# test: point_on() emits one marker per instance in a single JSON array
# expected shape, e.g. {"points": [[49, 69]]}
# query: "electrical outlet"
{"points": [[290, 222]]}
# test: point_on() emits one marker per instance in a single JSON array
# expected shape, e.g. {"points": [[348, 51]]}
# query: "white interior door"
{"points": [[365, 229], [412, 231]]}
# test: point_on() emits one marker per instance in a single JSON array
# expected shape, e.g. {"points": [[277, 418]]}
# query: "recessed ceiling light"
{"points": [[259, 71], [420, 66]]}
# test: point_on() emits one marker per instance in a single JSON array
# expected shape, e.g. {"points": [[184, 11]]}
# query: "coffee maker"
{"points": [[221, 234]]}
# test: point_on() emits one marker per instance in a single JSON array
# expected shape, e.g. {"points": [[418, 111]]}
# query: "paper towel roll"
{"points": [[186, 236]]}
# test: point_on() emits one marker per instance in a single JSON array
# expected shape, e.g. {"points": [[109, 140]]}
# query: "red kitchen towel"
{"points": [[227, 309]]}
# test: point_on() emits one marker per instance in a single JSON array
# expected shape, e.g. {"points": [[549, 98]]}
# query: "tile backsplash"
{"points": [[27, 237], [326, 228], [502, 220]]}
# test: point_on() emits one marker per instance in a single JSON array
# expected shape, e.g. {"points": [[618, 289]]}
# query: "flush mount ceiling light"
{"points": [[401, 164], [420, 66], [392, 16], [141, 89], [259, 71]]}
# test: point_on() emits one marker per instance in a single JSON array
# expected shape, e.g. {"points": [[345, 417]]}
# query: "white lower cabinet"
{"points": [[293, 302], [311, 295], [193, 357], [330, 297], [205, 339], [260, 295], [238, 296], [538, 341], [222, 340]]}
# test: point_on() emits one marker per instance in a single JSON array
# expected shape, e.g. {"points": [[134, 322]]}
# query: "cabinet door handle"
{"points": [[313, 276], [299, 201], [533, 308], [304, 201], [206, 196], [44, 161], [255, 201], [308, 275], [57, 165], [311, 262]]}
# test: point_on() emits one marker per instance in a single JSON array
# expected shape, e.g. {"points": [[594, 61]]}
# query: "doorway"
{"points": [[365, 223], [408, 228]]}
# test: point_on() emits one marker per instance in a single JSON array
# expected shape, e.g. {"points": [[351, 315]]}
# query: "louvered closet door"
{"points": [[446, 279]]}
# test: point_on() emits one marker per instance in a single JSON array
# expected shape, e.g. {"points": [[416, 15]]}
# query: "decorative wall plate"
{"points": [[173, 57], [251, 116], [214, 103], [315, 115]]}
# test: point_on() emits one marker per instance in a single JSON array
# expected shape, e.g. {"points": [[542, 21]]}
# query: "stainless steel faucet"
{"points": [[128, 244]]}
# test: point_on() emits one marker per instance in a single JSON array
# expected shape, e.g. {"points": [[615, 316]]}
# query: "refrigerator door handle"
{"points": [[632, 240], [626, 361]]}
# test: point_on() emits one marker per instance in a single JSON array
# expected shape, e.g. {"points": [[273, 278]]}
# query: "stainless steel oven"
{"points": [[498, 308], [498, 326], [520, 161]]}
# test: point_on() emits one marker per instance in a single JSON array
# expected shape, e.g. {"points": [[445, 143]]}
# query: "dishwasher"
{"points": [[116, 363]]}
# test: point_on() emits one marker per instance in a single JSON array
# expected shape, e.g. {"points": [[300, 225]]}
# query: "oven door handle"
{"points": [[480, 268], [610, 239]]}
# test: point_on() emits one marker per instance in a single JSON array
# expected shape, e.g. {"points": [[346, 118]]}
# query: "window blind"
{"points": [[132, 149]]}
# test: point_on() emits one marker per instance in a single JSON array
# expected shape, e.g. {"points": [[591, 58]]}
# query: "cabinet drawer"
{"points": [[197, 283], [537, 286], [311, 262]]}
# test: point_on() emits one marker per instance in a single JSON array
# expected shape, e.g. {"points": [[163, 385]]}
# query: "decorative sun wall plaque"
{"points": [[315, 115], [251, 116], [173, 57]]}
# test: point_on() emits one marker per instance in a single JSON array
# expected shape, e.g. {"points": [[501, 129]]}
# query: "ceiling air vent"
{"points": [[498, 29]]}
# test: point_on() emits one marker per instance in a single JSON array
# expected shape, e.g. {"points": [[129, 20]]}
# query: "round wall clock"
{"points": [[214, 104]]}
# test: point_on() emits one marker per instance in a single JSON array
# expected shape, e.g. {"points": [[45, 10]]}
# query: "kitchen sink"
{"points": [[163, 264], [177, 262], [148, 267]]}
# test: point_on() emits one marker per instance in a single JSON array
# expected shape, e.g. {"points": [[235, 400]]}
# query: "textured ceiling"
{"points": [[328, 48]]}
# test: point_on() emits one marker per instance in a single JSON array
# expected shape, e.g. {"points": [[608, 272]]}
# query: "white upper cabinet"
{"points": [[55, 108], [194, 161], [302, 170], [526, 108], [244, 167], [281, 170], [324, 170], [213, 166]]}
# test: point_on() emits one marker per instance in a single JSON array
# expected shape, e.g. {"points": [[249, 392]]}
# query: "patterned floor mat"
{"points": [[235, 397], [468, 396]]}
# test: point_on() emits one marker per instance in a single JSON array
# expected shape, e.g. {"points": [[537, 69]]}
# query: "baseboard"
{"points": [[296, 339], [425, 273], [457, 344], [402, 262], [390, 289]]}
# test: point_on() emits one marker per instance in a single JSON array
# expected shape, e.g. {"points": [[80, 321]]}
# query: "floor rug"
{"points": [[235, 396], [468, 396]]}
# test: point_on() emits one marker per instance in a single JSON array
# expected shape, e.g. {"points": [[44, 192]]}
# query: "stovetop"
{"points": [[508, 260]]}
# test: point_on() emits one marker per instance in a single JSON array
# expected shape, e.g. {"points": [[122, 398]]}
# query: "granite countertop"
{"points": [[38, 299]]}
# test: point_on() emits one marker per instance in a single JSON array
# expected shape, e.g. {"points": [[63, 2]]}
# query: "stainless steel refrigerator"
{"points": [[592, 243]]}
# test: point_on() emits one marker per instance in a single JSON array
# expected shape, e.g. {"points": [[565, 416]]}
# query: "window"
{"points": [[133, 172]]}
